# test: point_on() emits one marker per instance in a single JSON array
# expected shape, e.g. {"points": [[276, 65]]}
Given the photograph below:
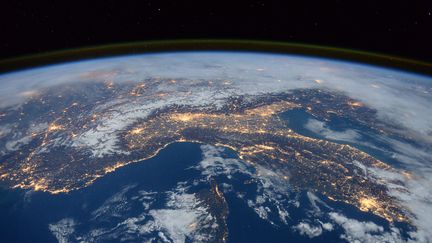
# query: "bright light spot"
{"points": [[356, 104], [136, 131], [367, 204], [54, 127]]}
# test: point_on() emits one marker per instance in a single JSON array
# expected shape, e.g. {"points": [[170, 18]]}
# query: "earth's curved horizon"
{"points": [[28, 61], [306, 148]]}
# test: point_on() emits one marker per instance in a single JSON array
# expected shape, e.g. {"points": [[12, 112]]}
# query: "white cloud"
{"points": [[415, 194], [5, 130], [320, 128], [177, 223], [312, 231], [415, 158], [327, 226], [16, 144], [185, 216], [306, 229], [213, 164], [63, 229], [314, 200], [14, 139], [358, 231], [115, 205]]}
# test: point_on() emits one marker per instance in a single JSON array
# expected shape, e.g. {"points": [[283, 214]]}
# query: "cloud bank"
{"points": [[399, 97]]}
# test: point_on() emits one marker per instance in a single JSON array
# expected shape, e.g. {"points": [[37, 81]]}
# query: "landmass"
{"points": [[54, 154]]}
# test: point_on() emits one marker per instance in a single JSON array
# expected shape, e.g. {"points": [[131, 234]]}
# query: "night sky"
{"points": [[402, 28]]}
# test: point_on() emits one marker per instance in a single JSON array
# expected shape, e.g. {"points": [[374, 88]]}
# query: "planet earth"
{"points": [[213, 146]]}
